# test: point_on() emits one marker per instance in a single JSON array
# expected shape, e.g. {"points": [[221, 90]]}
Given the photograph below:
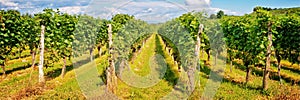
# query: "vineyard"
{"points": [[55, 55]]}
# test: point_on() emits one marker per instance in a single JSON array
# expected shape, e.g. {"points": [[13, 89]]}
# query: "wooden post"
{"points": [[198, 46], [208, 54], [99, 51], [268, 61], [91, 53], [143, 43], [33, 54], [176, 64], [41, 63], [248, 72], [216, 56], [111, 75], [202, 52], [277, 55], [63, 70], [3, 68], [299, 61], [231, 65]]}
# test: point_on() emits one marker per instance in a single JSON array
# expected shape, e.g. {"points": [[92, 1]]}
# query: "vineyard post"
{"points": [[208, 54], [202, 52], [143, 43], [231, 65], [111, 77], [3, 68], [63, 70], [299, 61], [41, 72], [91, 53], [268, 63], [100, 50], [277, 55], [198, 46], [33, 54]]}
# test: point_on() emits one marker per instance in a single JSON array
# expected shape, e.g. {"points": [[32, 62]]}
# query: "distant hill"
{"points": [[280, 10]]}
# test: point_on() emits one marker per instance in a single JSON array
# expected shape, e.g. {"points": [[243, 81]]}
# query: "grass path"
{"points": [[140, 64], [69, 87], [146, 66], [150, 64]]}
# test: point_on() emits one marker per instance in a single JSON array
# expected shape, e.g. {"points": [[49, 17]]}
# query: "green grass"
{"points": [[232, 86], [69, 87], [66, 88], [140, 64], [17, 64], [152, 48], [12, 86], [15, 54]]}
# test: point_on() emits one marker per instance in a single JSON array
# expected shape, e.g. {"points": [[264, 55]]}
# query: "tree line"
{"points": [[253, 38], [64, 35]]}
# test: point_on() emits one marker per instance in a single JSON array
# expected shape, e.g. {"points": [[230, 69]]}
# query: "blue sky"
{"points": [[149, 10], [246, 6]]}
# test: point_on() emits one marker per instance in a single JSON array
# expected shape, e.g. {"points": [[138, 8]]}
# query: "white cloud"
{"points": [[8, 3], [196, 4], [155, 11], [73, 9], [146, 10], [151, 11], [26, 5], [229, 12]]}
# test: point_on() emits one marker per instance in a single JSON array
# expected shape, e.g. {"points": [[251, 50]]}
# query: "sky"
{"points": [[152, 11]]}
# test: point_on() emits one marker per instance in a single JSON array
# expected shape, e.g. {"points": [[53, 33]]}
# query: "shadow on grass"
{"points": [[17, 68], [74, 65], [57, 72], [239, 66], [291, 69], [204, 68], [170, 75], [273, 75], [207, 70]]}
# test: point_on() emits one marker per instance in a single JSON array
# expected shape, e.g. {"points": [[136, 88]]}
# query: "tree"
{"points": [[122, 18], [44, 19], [192, 22], [215, 36], [48, 41], [265, 24], [118, 22], [85, 35], [257, 8], [213, 16], [102, 36], [220, 14], [31, 33], [243, 34], [110, 72], [262, 8], [66, 27], [10, 34], [172, 32], [285, 41]]}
